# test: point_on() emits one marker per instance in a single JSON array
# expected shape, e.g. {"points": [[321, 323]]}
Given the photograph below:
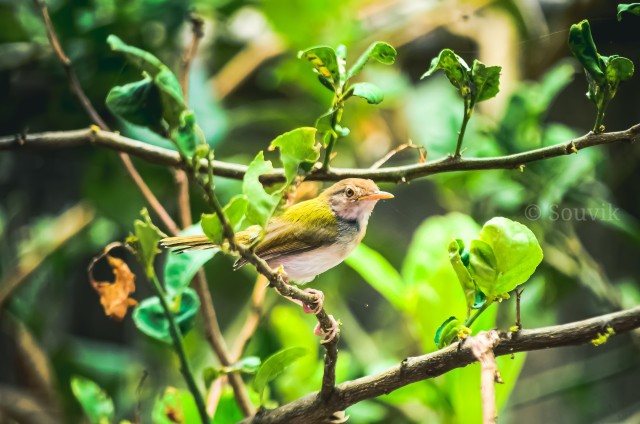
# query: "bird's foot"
{"points": [[315, 309], [328, 335]]}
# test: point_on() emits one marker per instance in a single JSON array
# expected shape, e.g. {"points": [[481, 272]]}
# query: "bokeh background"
{"points": [[58, 208]]}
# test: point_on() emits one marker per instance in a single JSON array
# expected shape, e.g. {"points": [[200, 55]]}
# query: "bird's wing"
{"points": [[286, 235]]}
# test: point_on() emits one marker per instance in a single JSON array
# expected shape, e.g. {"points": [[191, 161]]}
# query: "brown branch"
{"points": [[312, 409], [253, 319], [394, 174], [76, 88], [197, 32]]}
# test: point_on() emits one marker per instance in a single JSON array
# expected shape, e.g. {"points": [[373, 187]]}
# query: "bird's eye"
{"points": [[349, 192]]}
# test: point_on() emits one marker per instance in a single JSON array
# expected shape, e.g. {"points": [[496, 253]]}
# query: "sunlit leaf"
{"points": [[262, 204], [370, 92], [149, 316], [618, 69], [296, 147], [633, 8], [95, 402], [380, 51], [324, 61], [114, 296], [273, 366], [486, 81], [234, 211], [504, 257]]}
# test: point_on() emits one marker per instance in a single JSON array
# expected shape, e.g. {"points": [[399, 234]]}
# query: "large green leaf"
{"points": [[379, 273], [454, 67], [137, 102], [380, 51], [187, 135], [618, 69], [273, 366], [633, 8], [95, 402], [504, 257], [143, 60], [234, 211], [145, 241], [370, 92], [296, 147], [150, 318], [262, 204], [486, 81], [324, 61]]}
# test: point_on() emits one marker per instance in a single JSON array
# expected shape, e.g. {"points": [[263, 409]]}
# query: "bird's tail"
{"points": [[187, 243]]}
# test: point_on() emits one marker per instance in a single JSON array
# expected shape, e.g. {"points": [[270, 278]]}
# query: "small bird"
{"points": [[309, 237]]}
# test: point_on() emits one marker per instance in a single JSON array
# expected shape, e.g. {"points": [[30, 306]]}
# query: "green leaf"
{"points": [[95, 402], [171, 97], [273, 366], [149, 316], [380, 51], [186, 135], [633, 8], [234, 211], [584, 49], [449, 332], [379, 273], [180, 269], [262, 204], [209, 375], [370, 92], [464, 278], [137, 102], [175, 406], [143, 60], [324, 61], [486, 81], [454, 67], [145, 242], [247, 365], [296, 147], [506, 256], [618, 69]]}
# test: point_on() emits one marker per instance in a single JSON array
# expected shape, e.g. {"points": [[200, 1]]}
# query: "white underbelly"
{"points": [[304, 267]]}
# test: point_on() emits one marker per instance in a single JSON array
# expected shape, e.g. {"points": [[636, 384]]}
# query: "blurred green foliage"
{"points": [[399, 287]]}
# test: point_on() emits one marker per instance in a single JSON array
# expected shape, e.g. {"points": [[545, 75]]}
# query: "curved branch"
{"points": [[312, 409], [395, 174]]}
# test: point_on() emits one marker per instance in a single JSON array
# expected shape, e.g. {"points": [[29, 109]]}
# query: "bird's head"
{"points": [[354, 198]]}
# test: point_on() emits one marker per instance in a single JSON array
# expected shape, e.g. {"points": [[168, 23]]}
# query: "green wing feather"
{"points": [[302, 227]]}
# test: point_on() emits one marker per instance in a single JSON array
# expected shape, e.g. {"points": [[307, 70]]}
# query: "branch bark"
{"points": [[395, 174], [313, 409]]}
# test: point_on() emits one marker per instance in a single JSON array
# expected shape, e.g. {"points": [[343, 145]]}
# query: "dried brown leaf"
{"points": [[114, 296]]}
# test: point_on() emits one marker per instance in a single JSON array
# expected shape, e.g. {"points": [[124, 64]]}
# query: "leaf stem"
{"points": [[469, 322], [185, 368], [335, 120], [468, 109]]}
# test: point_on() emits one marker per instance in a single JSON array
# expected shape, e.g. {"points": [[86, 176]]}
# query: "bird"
{"points": [[307, 238]]}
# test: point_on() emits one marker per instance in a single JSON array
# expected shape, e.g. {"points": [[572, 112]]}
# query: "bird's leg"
{"points": [[329, 335], [318, 304]]}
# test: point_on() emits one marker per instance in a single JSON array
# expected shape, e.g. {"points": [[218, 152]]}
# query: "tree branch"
{"points": [[76, 88], [312, 409], [396, 174]]}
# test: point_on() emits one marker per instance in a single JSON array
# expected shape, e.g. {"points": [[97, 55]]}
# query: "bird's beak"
{"points": [[376, 195]]}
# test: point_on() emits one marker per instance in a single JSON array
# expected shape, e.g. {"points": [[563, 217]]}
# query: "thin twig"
{"points": [[310, 409], [76, 88], [395, 174], [404, 146], [253, 319], [197, 32]]}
